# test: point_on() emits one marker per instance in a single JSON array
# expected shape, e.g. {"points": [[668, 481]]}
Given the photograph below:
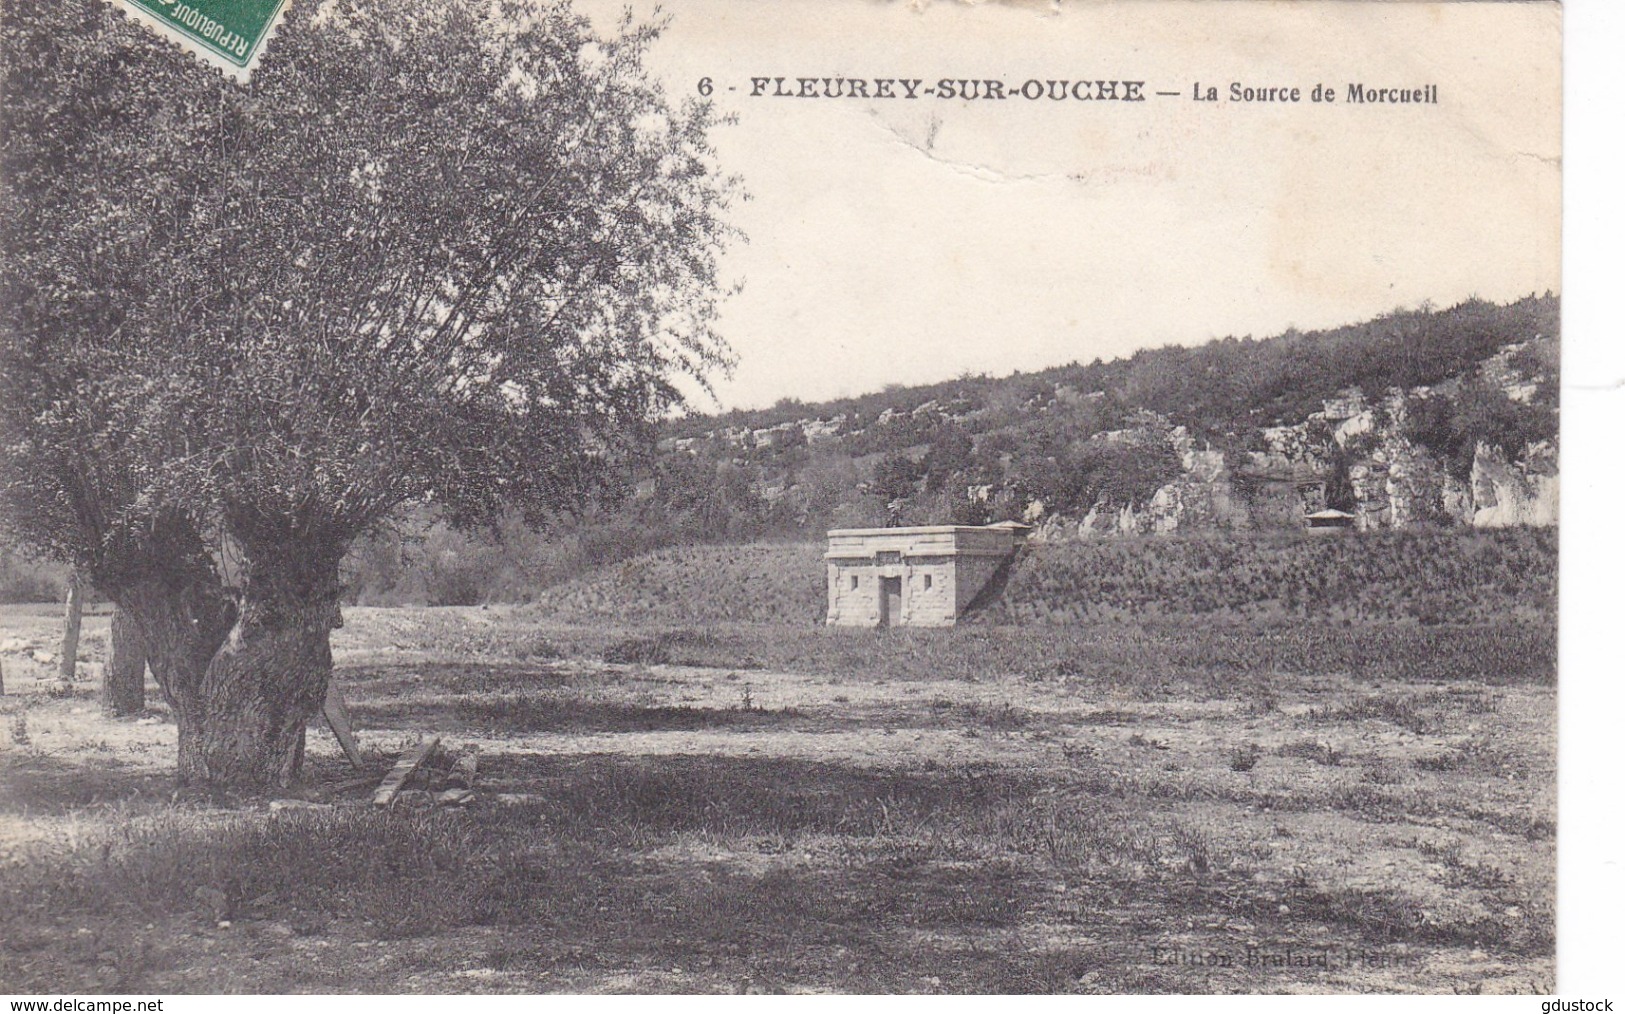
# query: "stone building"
{"points": [[913, 577]]}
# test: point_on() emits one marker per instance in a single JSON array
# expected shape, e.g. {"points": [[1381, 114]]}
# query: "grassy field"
{"points": [[1429, 576], [770, 807], [1407, 576]]}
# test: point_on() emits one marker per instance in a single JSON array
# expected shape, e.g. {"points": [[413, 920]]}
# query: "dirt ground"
{"points": [[651, 827]]}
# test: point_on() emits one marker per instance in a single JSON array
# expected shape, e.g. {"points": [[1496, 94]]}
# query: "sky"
{"points": [[897, 241]]}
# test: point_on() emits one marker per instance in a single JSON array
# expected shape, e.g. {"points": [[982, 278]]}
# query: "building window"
{"points": [[854, 581], [928, 582]]}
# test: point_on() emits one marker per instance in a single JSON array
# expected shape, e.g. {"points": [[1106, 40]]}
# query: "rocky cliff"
{"points": [[1503, 494], [1438, 417], [1390, 482]]}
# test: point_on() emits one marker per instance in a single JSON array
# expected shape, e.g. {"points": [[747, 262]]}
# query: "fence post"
{"points": [[70, 628]]}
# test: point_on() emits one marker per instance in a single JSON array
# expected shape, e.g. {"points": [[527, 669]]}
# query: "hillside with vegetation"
{"points": [[1432, 418], [1224, 388], [1427, 577], [1427, 395], [776, 582]]}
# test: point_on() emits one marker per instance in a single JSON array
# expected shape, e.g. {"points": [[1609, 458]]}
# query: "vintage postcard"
{"points": [[835, 497]]}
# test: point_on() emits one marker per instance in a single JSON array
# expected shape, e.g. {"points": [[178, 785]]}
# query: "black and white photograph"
{"points": [[587, 497]]}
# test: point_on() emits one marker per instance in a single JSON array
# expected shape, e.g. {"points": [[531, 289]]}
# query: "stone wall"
{"points": [[972, 575]]}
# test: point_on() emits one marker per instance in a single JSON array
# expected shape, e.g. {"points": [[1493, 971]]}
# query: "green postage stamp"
{"points": [[227, 34]]}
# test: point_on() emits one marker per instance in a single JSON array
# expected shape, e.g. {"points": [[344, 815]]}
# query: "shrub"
{"points": [[1245, 757], [23, 581]]}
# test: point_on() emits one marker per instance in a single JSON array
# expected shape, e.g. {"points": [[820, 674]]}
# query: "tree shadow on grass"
{"points": [[451, 677], [615, 795], [42, 784], [561, 712], [783, 872], [521, 698]]}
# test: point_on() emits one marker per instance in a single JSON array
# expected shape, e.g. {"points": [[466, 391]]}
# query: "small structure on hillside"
{"points": [[1328, 520], [914, 577]]}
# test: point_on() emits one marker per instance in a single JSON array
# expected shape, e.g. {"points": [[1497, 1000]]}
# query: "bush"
{"points": [[24, 581], [1436, 577], [1245, 758]]}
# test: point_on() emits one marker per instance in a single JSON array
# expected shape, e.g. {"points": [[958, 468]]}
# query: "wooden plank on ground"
{"points": [[454, 797], [338, 719], [410, 761], [463, 772]]}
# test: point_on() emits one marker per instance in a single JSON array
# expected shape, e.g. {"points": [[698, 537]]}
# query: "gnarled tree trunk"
{"points": [[269, 678], [183, 624], [264, 685], [243, 669], [124, 679]]}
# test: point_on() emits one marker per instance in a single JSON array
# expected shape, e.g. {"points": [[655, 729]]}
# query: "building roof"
{"points": [[1002, 526]]}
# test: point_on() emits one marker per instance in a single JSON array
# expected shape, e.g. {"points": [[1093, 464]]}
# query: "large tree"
{"points": [[453, 255]]}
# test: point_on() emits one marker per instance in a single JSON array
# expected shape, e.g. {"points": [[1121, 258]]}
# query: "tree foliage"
{"points": [[1453, 426], [453, 255], [488, 228], [1224, 387]]}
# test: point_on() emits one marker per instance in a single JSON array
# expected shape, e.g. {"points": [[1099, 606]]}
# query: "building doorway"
{"points": [[891, 601]]}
